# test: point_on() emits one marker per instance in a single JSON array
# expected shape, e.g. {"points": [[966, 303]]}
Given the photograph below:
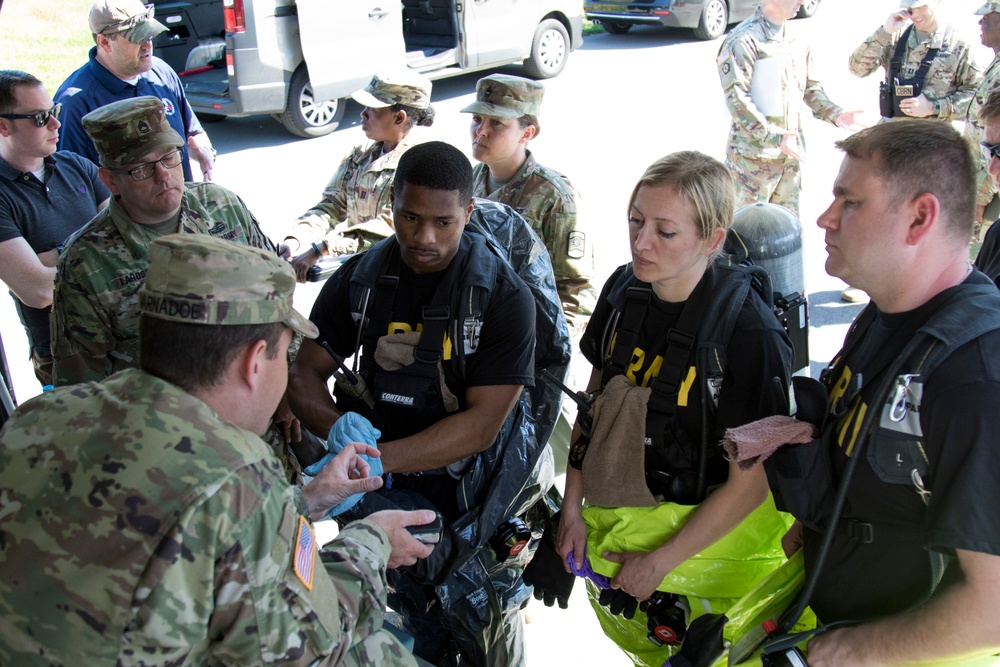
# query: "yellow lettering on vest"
{"points": [[682, 395], [846, 435], [638, 356], [653, 371], [403, 327]]}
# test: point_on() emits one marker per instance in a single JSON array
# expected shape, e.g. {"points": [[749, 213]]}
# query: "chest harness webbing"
{"points": [[896, 64], [967, 312], [705, 326]]}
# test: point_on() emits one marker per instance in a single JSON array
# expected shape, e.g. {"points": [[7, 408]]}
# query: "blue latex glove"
{"points": [[351, 427]]}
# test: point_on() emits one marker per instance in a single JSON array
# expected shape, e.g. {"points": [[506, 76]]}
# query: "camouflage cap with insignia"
{"points": [[200, 279], [408, 88], [912, 4], [506, 96], [988, 8], [125, 131], [130, 18]]}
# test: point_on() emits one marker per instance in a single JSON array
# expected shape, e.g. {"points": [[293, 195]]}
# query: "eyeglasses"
{"points": [[132, 21], [169, 161], [40, 117], [990, 151]]}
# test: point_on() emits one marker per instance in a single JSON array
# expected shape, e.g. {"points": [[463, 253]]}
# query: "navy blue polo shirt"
{"points": [[45, 214], [92, 86]]}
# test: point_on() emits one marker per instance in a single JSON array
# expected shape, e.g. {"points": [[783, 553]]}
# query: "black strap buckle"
{"points": [[860, 531]]}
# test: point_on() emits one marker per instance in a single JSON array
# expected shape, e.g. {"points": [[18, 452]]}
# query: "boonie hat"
{"points": [[505, 96], [126, 130], [988, 8], [200, 279], [408, 88], [129, 18], [910, 4]]}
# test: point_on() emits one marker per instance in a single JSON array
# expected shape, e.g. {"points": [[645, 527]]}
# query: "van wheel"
{"points": [[714, 20], [616, 28], [303, 115], [549, 50], [807, 9]]}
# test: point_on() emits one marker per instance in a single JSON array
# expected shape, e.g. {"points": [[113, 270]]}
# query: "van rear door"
{"points": [[345, 42]]}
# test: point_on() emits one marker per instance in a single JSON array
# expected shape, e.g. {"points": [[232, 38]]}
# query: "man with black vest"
{"points": [[908, 414], [448, 401]]}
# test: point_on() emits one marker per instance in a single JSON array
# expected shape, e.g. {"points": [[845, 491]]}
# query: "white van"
{"points": [[301, 59]]}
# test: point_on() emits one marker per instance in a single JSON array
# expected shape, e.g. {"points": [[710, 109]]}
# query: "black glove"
{"points": [[547, 572], [619, 602]]}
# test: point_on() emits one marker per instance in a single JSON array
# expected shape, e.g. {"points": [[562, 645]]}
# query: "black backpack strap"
{"points": [[896, 62]]}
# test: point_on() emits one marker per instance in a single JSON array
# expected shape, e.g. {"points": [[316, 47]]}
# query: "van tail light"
{"points": [[232, 11]]}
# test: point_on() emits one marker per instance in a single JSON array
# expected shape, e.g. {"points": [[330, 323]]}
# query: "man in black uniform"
{"points": [[916, 553], [440, 415]]}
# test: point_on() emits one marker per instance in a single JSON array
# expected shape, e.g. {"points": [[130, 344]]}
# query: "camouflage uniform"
{"points": [[547, 200], [761, 170], [169, 535], [355, 211], [95, 315], [975, 132], [953, 76]]}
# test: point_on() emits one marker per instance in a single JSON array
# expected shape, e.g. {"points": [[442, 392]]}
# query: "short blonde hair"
{"points": [[704, 181]]}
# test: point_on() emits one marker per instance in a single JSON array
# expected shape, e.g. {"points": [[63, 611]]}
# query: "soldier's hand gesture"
{"points": [[896, 21]]}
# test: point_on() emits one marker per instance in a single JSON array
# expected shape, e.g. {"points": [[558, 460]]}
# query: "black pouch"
{"points": [[904, 89], [885, 105]]}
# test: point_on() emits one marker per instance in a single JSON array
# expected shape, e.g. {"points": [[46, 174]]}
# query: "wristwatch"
{"points": [[937, 108], [319, 251]]}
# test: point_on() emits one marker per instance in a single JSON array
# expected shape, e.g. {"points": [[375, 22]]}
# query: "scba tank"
{"points": [[773, 238]]}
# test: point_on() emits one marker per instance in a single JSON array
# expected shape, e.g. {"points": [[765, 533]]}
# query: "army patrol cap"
{"points": [[129, 18], [988, 8], [200, 279], [126, 130], [505, 96], [410, 89], [911, 4]]}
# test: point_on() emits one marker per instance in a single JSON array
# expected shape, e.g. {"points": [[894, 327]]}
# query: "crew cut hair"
{"points": [[915, 157], [702, 180], [10, 81], [196, 356], [435, 165]]}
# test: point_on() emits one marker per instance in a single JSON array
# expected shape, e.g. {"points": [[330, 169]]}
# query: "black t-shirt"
{"points": [[959, 418], [504, 354], [758, 352]]}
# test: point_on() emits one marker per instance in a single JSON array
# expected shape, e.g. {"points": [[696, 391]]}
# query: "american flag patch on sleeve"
{"points": [[305, 553]]}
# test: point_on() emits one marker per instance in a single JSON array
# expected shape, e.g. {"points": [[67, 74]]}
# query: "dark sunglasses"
{"points": [[40, 117], [131, 22], [990, 150]]}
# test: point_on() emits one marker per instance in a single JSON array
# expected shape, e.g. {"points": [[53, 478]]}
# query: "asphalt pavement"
{"points": [[622, 102]]}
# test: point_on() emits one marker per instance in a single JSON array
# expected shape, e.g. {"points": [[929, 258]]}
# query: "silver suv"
{"points": [[300, 59]]}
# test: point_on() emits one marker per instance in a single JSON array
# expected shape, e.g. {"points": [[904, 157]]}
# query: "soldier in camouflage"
{"points": [[144, 523], [354, 212], [953, 76], [504, 120], [766, 75], [95, 313], [986, 189]]}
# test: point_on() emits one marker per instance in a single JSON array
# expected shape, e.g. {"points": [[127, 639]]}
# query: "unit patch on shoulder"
{"points": [[577, 246], [305, 553]]}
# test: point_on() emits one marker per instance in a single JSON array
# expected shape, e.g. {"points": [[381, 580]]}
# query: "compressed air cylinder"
{"points": [[773, 236]]}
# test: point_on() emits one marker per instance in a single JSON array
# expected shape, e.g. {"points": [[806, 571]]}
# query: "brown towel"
{"points": [[396, 350], [752, 443], [614, 470]]}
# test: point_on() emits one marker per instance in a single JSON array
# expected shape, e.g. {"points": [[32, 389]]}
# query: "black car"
{"points": [[709, 18]]}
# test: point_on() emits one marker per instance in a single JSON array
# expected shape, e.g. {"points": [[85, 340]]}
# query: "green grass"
{"points": [[47, 38], [589, 28]]}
